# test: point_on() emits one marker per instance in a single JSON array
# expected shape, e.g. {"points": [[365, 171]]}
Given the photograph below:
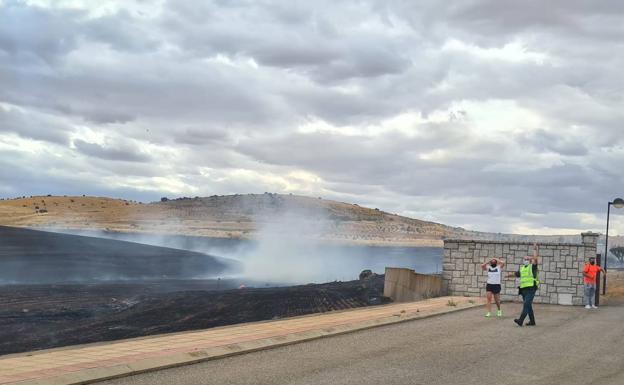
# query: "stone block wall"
{"points": [[560, 268]]}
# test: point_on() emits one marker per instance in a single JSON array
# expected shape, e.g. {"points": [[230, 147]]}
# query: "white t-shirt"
{"points": [[494, 275]]}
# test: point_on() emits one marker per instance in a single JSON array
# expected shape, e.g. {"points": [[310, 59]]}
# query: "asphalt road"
{"points": [[569, 346]]}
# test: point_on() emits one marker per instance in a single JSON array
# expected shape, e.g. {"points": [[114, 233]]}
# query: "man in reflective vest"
{"points": [[528, 286]]}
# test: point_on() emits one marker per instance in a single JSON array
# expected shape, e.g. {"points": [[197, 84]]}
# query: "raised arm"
{"points": [[535, 253], [484, 265], [501, 263]]}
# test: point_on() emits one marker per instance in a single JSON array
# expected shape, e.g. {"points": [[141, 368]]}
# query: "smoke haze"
{"points": [[286, 250], [30, 256]]}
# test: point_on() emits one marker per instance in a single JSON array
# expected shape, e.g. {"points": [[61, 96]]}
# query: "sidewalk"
{"points": [[88, 363]]}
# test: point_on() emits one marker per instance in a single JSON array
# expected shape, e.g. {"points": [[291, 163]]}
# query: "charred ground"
{"points": [[45, 316], [30, 256], [58, 289], [61, 289]]}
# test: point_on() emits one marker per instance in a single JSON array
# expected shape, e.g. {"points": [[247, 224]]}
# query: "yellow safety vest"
{"points": [[526, 277]]}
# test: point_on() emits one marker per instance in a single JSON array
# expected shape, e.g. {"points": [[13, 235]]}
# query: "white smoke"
{"points": [[289, 247], [288, 251]]}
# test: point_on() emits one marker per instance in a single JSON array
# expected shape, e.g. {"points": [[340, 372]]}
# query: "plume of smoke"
{"points": [[288, 250], [228, 248]]}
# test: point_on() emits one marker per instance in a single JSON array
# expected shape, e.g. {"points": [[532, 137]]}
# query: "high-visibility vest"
{"points": [[526, 277]]}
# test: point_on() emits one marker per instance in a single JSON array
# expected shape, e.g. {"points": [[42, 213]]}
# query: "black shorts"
{"points": [[495, 289]]}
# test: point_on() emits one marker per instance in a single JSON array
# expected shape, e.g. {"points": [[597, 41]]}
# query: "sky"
{"points": [[500, 116]]}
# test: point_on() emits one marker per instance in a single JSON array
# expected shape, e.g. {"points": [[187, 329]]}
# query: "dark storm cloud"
{"points": [[501, 19], [201, 136], [92, 87], [32, 126], [21, 179], [306, 38], [117, 153], [564, 144], [481, 113], [374, 159], [393, 162], [32, 34], [122, 32]]}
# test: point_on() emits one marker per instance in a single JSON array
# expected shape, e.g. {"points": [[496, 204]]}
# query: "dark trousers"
{"points": [[527, 309]]}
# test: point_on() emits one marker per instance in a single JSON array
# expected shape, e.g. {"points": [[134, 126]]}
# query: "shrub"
{"points": [[618, 252]]}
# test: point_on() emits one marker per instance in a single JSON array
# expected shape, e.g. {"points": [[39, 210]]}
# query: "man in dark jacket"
{"points": [[528, 286]]}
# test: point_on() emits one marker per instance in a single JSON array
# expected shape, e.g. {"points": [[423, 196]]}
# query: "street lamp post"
{"points": [[618, 203]]}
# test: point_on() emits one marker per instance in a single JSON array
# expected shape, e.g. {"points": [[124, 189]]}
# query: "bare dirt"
{"points": [[615, 288]]}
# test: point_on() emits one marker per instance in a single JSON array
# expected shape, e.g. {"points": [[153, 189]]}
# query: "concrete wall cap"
{"points": [[511, 243]]}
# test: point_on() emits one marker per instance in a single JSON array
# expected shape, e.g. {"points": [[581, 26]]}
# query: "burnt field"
{"points": [[58, 290], [44, 316], [31, 256]]}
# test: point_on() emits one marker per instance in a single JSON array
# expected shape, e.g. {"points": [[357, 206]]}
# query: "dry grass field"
{"points": [[232, 216], [615, 287], [239, 216]]}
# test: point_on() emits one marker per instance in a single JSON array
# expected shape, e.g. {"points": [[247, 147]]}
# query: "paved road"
{"points": [[569, 346]]}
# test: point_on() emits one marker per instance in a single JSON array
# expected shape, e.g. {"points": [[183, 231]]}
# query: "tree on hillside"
{"points": [[618, 252]]}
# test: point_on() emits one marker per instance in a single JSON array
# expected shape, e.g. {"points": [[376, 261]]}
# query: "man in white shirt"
{"points": [[494, 268]]}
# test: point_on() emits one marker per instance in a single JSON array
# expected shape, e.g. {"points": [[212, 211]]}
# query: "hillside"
{"points": [[41, 257], [234, 216]]}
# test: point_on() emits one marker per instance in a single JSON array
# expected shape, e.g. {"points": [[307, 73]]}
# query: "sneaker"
{"points": [[499, 313], [594, 307], [518, 322], [488, 314], [587, 307]]}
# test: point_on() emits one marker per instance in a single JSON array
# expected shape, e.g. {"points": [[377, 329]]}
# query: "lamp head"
{"points": [[618, 203]]}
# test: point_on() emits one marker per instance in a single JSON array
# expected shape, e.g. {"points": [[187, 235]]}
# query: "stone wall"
{"points": [[559, 264], [405, 285]]}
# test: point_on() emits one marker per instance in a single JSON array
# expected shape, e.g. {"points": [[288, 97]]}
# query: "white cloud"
{"points": [[104, 7], [514, 51], [491, 117]]}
